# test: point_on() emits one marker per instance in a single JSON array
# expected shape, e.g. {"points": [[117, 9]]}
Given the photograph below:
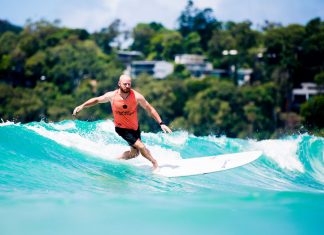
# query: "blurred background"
{"points": [[234, 68]]}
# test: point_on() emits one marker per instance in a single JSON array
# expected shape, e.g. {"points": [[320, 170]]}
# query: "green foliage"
{"points": [[236, 36], [210, 109], [180, 72], [202, 21], [35, 65], [220, 41], [191, 43], [259, 109], [19, 104], [8, 42], [244, 36], [46, 70], [142, 35], [70, 63], [313, 112], [107, 36], [319, 79], [6, 26], [165, 45], [61, 109], [164, 98]]}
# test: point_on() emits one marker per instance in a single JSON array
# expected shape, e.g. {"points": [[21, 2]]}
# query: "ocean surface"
{"points": [[63, 178]]}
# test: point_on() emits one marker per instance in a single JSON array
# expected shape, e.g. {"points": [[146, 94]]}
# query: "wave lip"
{"points": [[283, 152]]}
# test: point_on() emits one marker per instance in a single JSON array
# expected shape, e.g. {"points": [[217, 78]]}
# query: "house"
{"points": [[196, 64], [126, 57], [218, 73], [157, 69], [300, 95]]}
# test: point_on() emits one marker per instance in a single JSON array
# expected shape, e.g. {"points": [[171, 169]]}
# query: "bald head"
{"points": [[125, 83], [125, 77]]}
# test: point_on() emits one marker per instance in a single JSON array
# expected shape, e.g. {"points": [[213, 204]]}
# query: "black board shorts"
{"points": [[131, 136]]}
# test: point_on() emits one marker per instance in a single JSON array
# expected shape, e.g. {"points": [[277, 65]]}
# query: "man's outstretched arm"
{"points": [[93, 101], [151, 110]]}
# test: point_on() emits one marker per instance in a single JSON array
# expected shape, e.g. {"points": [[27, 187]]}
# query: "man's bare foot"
{"points": [[155, 165]]}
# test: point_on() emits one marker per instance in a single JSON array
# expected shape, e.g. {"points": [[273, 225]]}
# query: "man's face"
{"points": [[125, 85]]}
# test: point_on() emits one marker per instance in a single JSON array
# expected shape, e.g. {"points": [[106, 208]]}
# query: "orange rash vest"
{"points": [[125, 111]]}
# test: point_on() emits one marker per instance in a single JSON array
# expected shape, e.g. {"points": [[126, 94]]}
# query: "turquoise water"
{"points": [[62, 178]]}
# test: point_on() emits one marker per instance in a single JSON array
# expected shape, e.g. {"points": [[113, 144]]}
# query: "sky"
{"points": [[93, 15]]}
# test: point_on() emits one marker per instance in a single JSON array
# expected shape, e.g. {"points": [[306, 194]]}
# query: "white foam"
{"points": [[79, 142], [220, 141], [61, 127], [283, 152], [8, 123], [178, 138], [106, 126], [162, 156], [98, 148]]}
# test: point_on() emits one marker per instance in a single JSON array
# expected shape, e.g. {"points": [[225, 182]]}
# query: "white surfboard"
{"points": [[204, 165]]}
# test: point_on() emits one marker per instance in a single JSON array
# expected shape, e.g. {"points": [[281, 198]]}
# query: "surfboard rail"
{"points": [[205, 165]]}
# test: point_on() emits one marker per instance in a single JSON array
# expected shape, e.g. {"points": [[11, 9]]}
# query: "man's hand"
{"points": [[77, 109], [165, 128]]}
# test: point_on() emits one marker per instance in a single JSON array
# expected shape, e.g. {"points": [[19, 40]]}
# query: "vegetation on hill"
{"points": [[46, 70]]}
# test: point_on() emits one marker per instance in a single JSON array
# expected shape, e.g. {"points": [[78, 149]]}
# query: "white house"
{"points": [[126, 57], [196, 64], [157, 69], [300, 95]]}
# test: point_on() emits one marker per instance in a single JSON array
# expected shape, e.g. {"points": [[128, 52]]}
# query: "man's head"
{"points": [[125, 83]]}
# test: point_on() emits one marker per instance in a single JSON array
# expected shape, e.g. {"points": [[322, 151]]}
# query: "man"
{"points": [[124, 102]]}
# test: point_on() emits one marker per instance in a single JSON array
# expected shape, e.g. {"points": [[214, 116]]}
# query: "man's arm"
{"points": [[93, 101], [151, 110]]}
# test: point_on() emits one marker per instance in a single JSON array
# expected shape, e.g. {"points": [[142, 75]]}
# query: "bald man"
{"points": [[124, 102]]}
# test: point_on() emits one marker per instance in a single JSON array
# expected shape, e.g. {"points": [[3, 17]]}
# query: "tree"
{"points": [[8, 42], [38, 36], [282, 59], [166, 96], [69, 63], [107, 35], [212, 109], [6, 26], [23, 105], [186, 19], [203, 22], [142, 35], [165, 45], [180, 72], [191, 44], [312, 51], [245, 39], [319, 79], [312, 112], [220, 41], [258, 110], [284, 50]]}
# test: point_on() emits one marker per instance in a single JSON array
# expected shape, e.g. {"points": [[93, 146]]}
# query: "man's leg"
{"points": [[145, 153], [133, 152]]}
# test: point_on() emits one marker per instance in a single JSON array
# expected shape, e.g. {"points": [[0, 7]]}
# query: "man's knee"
{"points": [[139, 145]]}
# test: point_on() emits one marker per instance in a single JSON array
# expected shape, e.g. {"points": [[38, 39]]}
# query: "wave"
{"points": [[77, 155]]}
